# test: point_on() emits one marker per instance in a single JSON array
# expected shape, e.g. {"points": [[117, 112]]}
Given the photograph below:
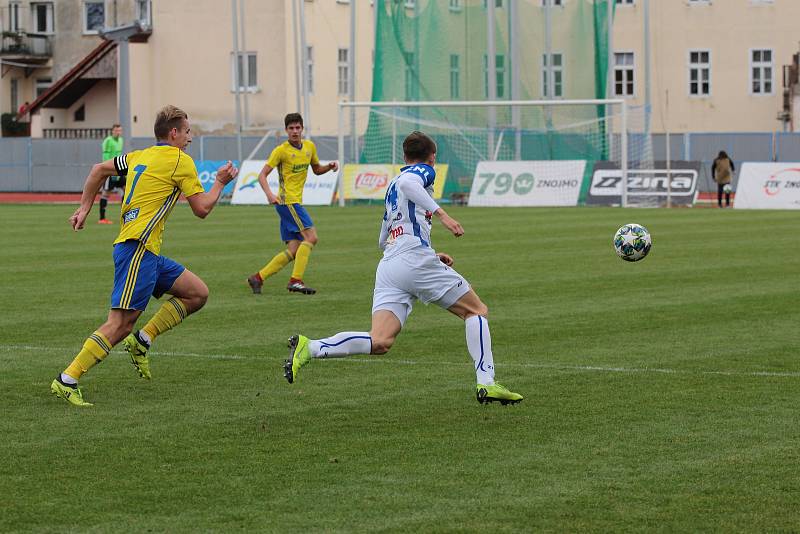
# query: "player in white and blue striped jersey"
{"points": [[411, 270]]}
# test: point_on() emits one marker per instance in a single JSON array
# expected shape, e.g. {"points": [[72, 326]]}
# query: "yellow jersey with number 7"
{"points": [[156, 177]]}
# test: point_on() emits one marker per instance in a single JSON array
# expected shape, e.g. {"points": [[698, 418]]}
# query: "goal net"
{"points": [[559, 140]]}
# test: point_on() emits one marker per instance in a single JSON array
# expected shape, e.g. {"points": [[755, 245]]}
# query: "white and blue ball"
{"points": [[632, 242]]}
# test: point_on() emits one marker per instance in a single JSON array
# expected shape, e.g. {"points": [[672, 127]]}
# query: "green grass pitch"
{"points": [[661, 395]]}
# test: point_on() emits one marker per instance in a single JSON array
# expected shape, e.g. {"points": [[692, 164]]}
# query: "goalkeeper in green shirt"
{"points": [[112, 147]]}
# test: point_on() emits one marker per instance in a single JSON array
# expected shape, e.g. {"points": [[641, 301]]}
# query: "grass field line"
{"points": [[8, 348]]}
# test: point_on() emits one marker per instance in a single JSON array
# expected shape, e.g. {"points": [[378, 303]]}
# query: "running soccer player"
{"points": [[159, 175], [411, 269], [292, 159], [112, 147]]}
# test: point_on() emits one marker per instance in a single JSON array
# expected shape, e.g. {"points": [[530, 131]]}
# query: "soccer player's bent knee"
{"points": [[196, 298], [480, 309], [312, 239]]}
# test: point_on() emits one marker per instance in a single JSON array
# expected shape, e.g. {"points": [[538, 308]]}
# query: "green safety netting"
{"points": [[436, 50]]}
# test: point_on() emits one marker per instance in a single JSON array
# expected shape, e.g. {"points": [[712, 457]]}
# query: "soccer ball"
{"points": [[632, 242], [727, 189]]}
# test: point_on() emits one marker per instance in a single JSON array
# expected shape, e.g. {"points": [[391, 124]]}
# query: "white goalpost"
{"points": [[597, 131]]}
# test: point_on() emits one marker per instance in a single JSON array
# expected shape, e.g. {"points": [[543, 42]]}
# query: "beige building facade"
{"points": [[716, 66], [188, 61]]}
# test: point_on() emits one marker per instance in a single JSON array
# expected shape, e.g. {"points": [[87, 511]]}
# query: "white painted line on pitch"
{"points": [[555, 366]]}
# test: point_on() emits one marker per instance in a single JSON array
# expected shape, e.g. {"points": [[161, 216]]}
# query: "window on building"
{"points": [[500, 75], [623, 74], [553, 2], [699, 73], [410, 4], [558, 76], [310, 69], [409, 75], [42, 85], [248, 72], [761, 71], [455, 77], [625, 2], [455, 5], [80, 114], [14, 92], [13, 17], [343, 70], [143, 14], [94, 15], [497, 3], [42, 17]]}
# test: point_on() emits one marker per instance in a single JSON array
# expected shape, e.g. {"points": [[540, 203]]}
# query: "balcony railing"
{"points": [[76, 133], [26, 44]]}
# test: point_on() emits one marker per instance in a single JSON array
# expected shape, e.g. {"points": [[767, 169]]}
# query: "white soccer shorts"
{"points": [[415, 274]]}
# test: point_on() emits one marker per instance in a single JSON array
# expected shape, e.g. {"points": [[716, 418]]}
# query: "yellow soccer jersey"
{"points": [[156, 177], [292, 164]]}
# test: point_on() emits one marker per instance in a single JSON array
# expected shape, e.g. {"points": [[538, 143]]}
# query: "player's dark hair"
{"points": [[115, 125], [418, 146], [292, 118], [168, 117]]}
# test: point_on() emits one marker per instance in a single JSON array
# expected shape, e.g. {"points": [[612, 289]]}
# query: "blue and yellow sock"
{"points": [[168, 316], [95, 349], [281, 260], [301, 260]]}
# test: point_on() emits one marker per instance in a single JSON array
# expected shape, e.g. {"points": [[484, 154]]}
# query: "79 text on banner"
{"points": [[527, 183]]}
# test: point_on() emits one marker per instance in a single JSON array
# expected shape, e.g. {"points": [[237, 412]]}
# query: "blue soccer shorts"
{"points": [[294, 218], [140, 274]]}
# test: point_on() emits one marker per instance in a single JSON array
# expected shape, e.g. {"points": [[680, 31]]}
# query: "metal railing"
{"points": [[76, 133], [26, 44]]}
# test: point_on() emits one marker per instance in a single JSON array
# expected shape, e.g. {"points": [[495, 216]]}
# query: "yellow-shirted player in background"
{"points": [[156, 177], [292, 160]]}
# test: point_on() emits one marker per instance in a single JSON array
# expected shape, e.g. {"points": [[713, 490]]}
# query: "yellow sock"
{"points": [[301, 260], [168, 316], [277, 263], [95, 349]]}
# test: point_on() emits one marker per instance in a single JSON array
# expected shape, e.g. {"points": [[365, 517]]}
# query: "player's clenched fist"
{"points": [[227, 172], [77, 219]]}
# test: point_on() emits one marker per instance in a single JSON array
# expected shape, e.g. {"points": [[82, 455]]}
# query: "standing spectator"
{"points": [[112, 147], [722, 170]]}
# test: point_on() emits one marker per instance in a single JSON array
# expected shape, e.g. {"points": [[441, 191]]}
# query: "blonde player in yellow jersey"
{"points": [[156, 177], [292, 160]]}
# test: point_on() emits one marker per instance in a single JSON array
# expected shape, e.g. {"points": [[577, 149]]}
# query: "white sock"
{"points": [[145, 337], [341, 344], [479, 344], [66, 379]]}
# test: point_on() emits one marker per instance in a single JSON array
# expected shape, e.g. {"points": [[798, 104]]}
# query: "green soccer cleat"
{"points": [[71, 394], [137, 350], [298, 357], [497, 393]]}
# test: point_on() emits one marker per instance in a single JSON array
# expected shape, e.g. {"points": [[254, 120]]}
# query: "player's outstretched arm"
{"points": [[450, 223], [262, 180], [322, 169], [203, 203], [96, 177]]}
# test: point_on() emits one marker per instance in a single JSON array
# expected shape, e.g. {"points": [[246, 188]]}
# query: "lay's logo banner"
{"points": [[317, 191], [362, 181]]}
